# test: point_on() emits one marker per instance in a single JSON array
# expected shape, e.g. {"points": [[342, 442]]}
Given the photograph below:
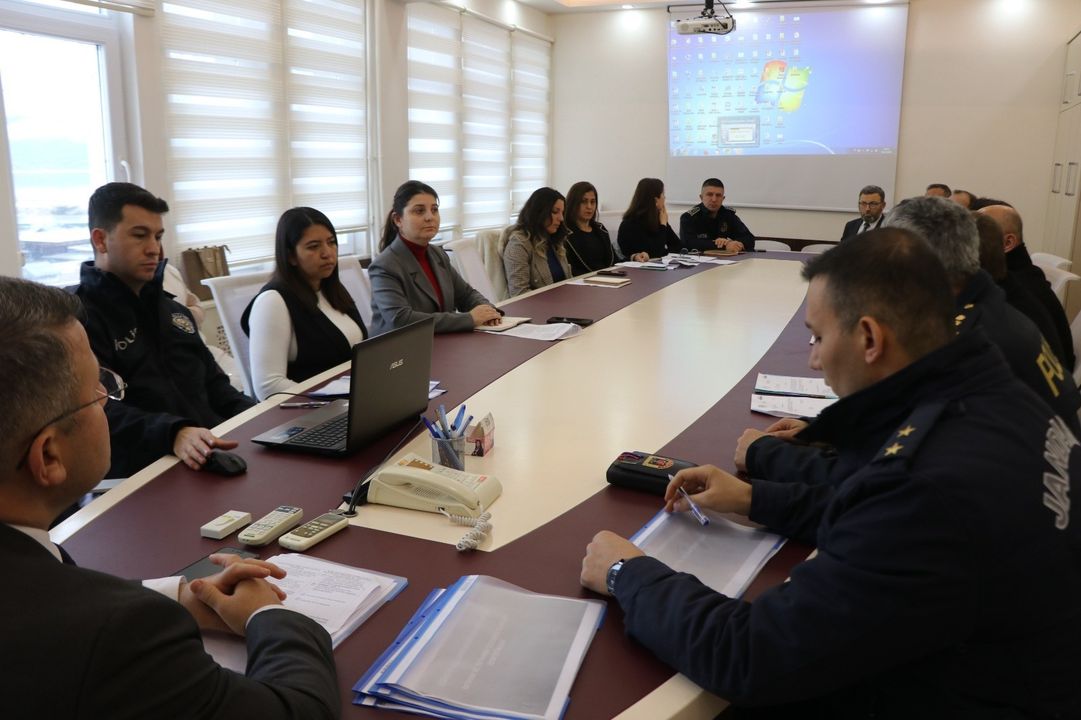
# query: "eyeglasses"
{"points": [[871, 204], [110, 387]]}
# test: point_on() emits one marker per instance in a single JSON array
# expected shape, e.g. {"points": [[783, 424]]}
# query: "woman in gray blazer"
{"points": [[533, 249], [412, 279]]}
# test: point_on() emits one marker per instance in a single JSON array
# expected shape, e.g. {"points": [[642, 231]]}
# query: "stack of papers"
{"points": [[338, 597], [787, 396], [612, 281], [484, 648], [725, 556], [655, 264], [549, 332]]}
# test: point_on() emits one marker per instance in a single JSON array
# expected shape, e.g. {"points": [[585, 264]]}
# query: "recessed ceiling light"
{"points": [[627, 7]]}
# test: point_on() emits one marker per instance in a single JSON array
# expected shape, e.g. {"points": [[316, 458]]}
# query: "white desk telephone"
{"points": [[417, 484]]}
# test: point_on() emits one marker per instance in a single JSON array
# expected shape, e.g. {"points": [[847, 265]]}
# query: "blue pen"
{"points": [[442, 411], [458, 418], [465, 425], [695, 510], [432, 428]]}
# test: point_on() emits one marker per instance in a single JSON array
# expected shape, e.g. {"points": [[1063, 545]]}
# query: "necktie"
{"points": [[865, 227]]}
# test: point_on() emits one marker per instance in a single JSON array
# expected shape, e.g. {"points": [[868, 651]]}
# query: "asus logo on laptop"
{"points": [[397, 363]]}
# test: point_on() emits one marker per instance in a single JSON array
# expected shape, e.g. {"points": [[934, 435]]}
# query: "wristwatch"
{"points": [[613, 573]]}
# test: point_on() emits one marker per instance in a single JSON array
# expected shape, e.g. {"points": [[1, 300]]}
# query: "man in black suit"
{"points": [[872, 206], [87, 644], [1019, 266]]}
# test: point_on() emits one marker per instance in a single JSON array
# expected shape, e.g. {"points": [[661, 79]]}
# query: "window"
{"points": [[56, 65], [478, 96], [265, 105]]}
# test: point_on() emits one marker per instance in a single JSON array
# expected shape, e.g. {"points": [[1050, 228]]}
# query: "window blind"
{"points": [[478, 96], [265, 110]]}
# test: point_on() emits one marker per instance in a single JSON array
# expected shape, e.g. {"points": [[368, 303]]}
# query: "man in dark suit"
{"points": [[92, 645], [1019, 266], [872, 206]]}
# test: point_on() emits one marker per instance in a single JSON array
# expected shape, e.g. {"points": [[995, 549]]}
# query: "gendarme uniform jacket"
{"points": [[947, 582], [697, 229], [172, 380]]}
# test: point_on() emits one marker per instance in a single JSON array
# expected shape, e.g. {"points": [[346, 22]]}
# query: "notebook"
{"points": [[388, 384]]}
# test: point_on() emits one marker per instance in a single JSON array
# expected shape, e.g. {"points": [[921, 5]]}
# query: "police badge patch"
{"points": [[183, 322]]}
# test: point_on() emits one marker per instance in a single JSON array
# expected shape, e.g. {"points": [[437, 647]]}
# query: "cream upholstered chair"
{"points": [[232, 294], [1048, 260], [776, 245], [816, 248], [467, 260], [1059, 279], [356, 281]]}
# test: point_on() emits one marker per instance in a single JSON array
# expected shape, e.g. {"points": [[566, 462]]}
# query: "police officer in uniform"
{"points": [[175, 391], [947, 582], [709, 225]]}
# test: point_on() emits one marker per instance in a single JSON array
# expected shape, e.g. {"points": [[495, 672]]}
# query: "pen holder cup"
{"points": [[449, 453]]}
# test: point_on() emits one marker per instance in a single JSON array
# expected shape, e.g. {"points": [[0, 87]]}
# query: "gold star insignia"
{"points": [[906, 431], [959, 319], [969, 306], [894, 449]]}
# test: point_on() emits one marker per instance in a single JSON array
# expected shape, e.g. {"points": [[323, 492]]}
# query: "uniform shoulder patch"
{"points": [[183, 322], [695, 210], [906, 439]]}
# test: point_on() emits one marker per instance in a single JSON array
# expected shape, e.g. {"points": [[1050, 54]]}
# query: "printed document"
{"points": [[724, 555]]}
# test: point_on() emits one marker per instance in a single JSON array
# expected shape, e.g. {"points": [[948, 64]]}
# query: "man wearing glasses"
{"points": [[176, 389], [94, 645], [872, 206]]}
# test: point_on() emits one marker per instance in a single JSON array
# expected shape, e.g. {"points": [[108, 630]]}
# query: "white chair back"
{"points": [[492, 257], [1059, 279], [232, 294], [771, 245], [467, 260], [1049, 260], [356, 281], [816, 248]]}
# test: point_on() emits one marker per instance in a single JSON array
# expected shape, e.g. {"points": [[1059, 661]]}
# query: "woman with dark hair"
{"points": [[413, 279], [645, 232], [533, 252], [303, 321], [589, 246]]}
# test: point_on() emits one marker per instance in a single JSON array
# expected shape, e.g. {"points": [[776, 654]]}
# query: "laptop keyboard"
{"points": [[330, 434]]}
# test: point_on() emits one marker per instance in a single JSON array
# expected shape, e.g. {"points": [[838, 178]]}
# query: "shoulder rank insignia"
{"points": [[695, 210], [905, 440], [183, 322]]}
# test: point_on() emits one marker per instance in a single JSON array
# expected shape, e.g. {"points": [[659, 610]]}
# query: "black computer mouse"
{"points": [[221, 462]]}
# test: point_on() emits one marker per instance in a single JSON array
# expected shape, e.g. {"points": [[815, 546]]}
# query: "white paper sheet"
{"points": [[339, 387], [787, 406], [723, 555], [548, 332], [791, 385]]}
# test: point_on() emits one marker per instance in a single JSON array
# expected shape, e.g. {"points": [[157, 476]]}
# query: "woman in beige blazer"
{"points": [[533, 249]]}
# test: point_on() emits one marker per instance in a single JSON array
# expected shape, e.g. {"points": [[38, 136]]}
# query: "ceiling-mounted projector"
{"points": [[707, 22], [714, 25]]}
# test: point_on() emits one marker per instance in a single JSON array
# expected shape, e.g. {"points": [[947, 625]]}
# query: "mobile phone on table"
{"points": [[205, 568], [613, 273], [581, 322]]}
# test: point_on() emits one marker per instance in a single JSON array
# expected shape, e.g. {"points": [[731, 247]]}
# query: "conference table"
{"points": [[668, 366]]}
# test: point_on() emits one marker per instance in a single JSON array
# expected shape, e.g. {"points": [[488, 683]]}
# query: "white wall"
{"points": [[978, 111]]}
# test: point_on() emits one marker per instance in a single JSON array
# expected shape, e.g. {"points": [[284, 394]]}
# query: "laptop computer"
{"points": [[388, 384]]}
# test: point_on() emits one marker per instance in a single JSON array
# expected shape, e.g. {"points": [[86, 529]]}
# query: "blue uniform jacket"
{"points": [[947, 582], [172, 379]]}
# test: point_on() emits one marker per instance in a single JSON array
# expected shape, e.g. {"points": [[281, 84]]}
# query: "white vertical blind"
{"points": [[265, 103], [434, 98], [530, 115], [486, 78], [478, 99]]}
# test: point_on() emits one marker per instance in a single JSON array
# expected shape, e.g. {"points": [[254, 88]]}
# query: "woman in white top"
{"points": [[303, 321]]}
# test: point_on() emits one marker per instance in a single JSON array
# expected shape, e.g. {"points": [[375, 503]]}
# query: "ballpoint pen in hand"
{"points": [[695, 510]]}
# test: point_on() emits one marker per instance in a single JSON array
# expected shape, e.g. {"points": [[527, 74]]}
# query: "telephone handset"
{"points": [[417, 484]]}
